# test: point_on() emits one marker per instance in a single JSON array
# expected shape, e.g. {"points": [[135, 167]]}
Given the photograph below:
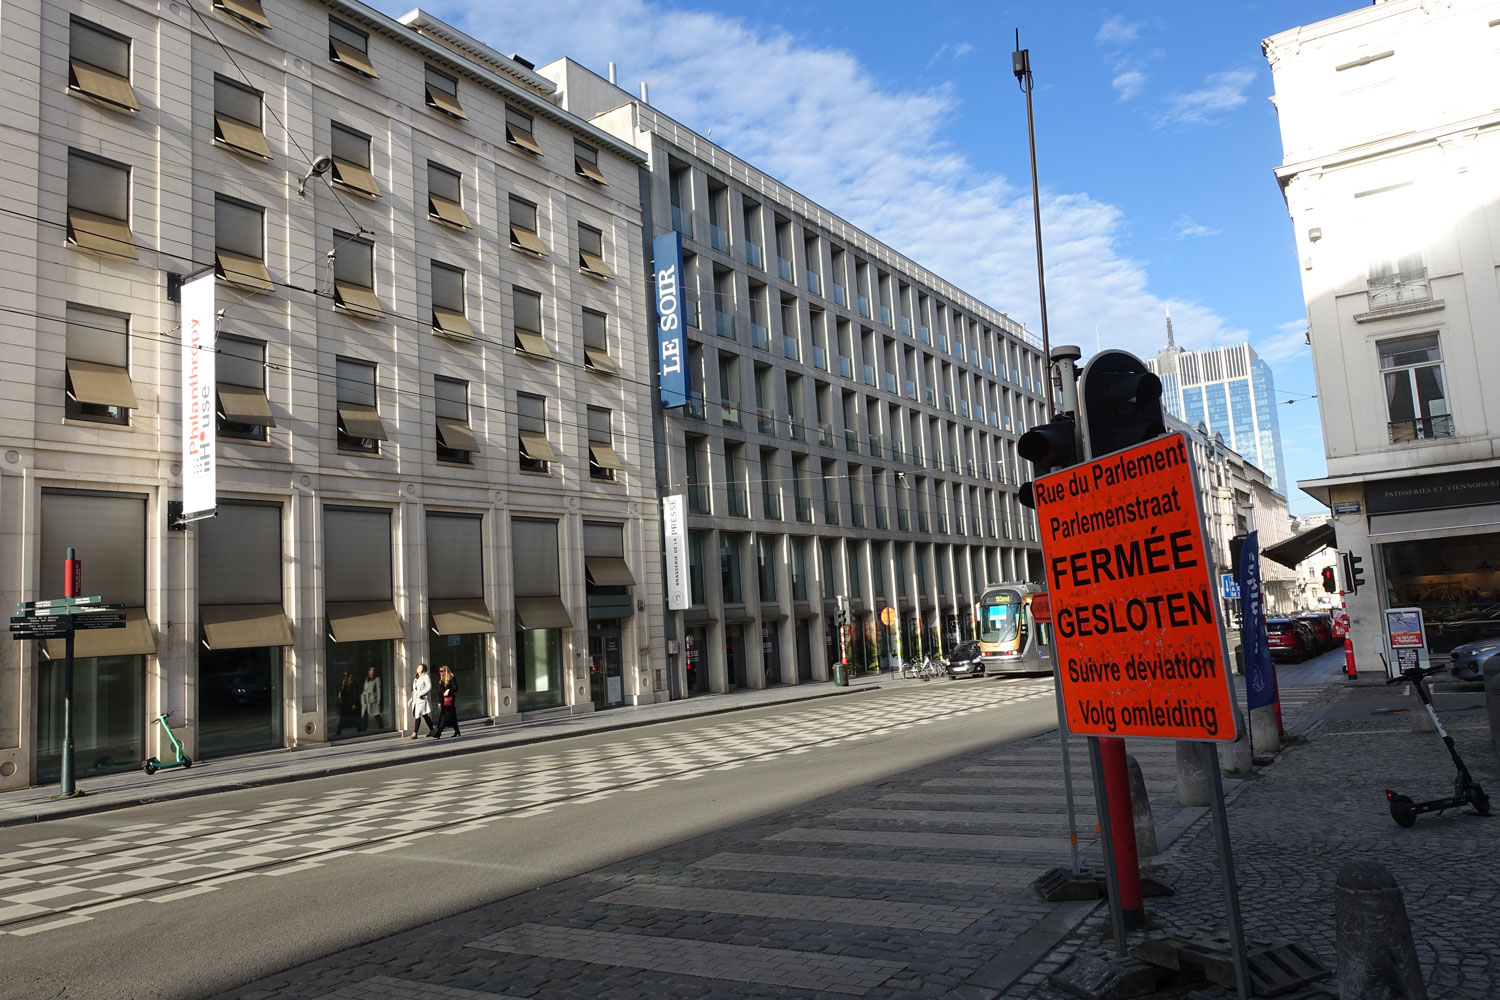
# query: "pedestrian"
{"points": [[421, 707], [371, 703], [447, 703], [348, 703]]}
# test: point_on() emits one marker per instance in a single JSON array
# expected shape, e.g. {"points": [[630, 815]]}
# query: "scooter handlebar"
{"points": [[1416, 673]]}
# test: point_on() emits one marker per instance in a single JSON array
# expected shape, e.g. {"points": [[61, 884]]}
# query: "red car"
{"points": [[1290, 639], [1322, 626]]}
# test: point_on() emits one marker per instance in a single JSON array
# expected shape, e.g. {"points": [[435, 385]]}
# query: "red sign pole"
{"points": [[1122, 826]]}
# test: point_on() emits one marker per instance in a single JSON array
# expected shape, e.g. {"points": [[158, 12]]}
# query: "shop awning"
{"points": [[245, 626], [608, 571], [460, 617], [135, 639], [362, 621], [543, 612], [1297, 548]]}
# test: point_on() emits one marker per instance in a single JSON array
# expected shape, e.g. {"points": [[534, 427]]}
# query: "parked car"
{"points": [[1469, 659], [964, 661], [1290, 639], [1321, 623]]}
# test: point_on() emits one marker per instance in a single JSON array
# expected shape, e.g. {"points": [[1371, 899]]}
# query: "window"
{"points": [[455, 440], [240, 244], [99, 205], [98, 372], [603, 462], [240, 374], [445, 196], [351, 160], [354, 276], [1415, 401], [596, 343], [528, 322], [523, 231], [729, 567], [519, 130], [249, 11], [531, 422], [239, 118], [442, 93], [586, 162], [99, 64], [348, 46], [359, 423], [591, 252], [449, 304]]}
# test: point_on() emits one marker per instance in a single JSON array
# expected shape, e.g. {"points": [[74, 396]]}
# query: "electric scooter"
{"points": [[151, 765], [1466, 790]]}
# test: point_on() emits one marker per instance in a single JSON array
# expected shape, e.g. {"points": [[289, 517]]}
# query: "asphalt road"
{"points": [[189, 898]]}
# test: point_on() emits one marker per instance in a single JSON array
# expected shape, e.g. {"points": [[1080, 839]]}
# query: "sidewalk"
{"points": [[271, 767]]}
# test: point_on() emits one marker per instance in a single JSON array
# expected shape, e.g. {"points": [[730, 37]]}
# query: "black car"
{"points": [[964, 661]]}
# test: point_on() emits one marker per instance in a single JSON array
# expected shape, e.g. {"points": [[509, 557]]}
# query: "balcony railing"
{"points": [[729, 412], [1399, 288], [682, 220], [903, 522], [906, 325], [838, 294], [739, 506], [857, 515], [940, 521], [1421, 429], [948, 401], [881, 521], [921, 520], [890, 381], [798, 429], [820, 358], [963, 408], [804, 510], [869, 373], [814, 283], [825, 435], [770, 505], [943, 342], [911, 389], [718, 238], [885, 315], [753, 256], [831, 511], [760, 337], [864, 306], [895, 450], [695, 407], [989, 365], [851, 441], [846, 367], [790, 348], [690, 313], [784, 268], [916, 455], [931, 396], [926, 334], [724, 324], [765, 421], [873, 441], [698, 499]]}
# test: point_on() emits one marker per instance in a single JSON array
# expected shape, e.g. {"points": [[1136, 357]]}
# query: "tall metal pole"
{"points": [[71, 583], [1021, 65]]}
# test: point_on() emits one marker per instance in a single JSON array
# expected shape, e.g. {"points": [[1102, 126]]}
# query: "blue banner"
{"points": [[1260, 672], [671, 319]]}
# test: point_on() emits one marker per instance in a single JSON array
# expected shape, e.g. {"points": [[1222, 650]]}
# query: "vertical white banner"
{"points": [[198, 396], [674, 533]]}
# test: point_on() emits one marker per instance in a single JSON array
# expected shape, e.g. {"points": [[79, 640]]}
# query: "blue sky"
{"points": [[1156, 144]]}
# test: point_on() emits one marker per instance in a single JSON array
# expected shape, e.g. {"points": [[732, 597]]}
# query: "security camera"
{"points": [[320, 166]]}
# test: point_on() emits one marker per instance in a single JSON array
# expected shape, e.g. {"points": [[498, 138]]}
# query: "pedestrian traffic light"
{"points": [[1328, 583], [1119, 400], [1050, 446], [1354, 574]]}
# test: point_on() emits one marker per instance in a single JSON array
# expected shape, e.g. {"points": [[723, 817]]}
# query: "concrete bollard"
{"points": [[1140, 808], [1376, 957], [1239, 755], [1265, 730], [1194, 783]]}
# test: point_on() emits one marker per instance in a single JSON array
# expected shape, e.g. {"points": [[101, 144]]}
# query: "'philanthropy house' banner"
{"points": [[198, 396]]}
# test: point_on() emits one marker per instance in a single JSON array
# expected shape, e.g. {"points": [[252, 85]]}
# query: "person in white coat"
{"points": [[421, 708]]}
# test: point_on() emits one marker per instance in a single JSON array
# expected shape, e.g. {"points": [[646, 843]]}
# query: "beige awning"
{"points": [[600, 361], [604, 456], [593, 264], [362, 421], [589, 170], [240, 404], [455, 434], [355, 176], [135, 639], [100, 232], [532, 343], [245, 626], [520, 137], [248, 273], [247, 10], [361, 621], [352, 57], [358, 300], [106, 86], [452, 323], [448, 211], [608, 571], [237, 135], [444, 101], [461, 617], [101, 385], [542, 612], [527, 240], [538, 448]]}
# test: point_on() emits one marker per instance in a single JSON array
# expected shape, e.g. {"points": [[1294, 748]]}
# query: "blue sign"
{"points": [[1230, 589], [1260, 672], [671, 318]]}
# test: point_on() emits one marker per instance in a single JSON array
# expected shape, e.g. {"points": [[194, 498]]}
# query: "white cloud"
{"points": [[1117, 31], [1184, 228], [794, 110], [1129, 84], [1288, 343], [950, 51], [1220, 92]]}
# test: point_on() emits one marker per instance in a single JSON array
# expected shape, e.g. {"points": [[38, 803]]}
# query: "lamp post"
{"points": [[1021, 66]]}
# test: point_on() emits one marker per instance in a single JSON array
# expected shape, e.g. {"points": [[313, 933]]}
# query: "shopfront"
{"points": [[541, 616], [108, 532], [243, 629], [459, 623], [609, 585], [360, 666], [695, 645]]}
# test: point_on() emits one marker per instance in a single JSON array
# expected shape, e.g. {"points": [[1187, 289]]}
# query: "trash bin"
{"points": [[840, 675], [1492, 699]]}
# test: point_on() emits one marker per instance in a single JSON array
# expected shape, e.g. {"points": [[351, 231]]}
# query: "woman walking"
{"points": [[421, 707], [447, 703]]}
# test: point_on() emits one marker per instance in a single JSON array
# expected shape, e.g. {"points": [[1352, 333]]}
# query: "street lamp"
{"points": [[1021, 66]]}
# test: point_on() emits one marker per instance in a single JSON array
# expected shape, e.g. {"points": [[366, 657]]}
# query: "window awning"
{"points": [[101, 385], [248, 273], [456, 435], [592, 263], [451, 323], [589, 170], [101, 233], [245, 626], [355, 176], [604, 457], [1293, 550], [460, 617], [246, 10], [353, 58], [135, 639], [448, 211], [542, 612], [445, 102], [518, 136], [240, 404], [537, 448], [361, 421], [245, 138], [600, 361], [362, 621], [527, 240], [359, 300], [608, 571], [105, 86], [532, 343]]}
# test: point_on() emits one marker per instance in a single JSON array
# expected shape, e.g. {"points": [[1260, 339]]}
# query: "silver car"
{"points": [[1469, 659]]}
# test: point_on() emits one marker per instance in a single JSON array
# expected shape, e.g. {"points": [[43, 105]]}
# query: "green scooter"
{"points": [[151, 765]]}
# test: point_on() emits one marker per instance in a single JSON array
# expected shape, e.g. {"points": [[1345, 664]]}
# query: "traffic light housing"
{"points": [[1328, 582], [1354, 573], [1119, 399], [1049, 446]]}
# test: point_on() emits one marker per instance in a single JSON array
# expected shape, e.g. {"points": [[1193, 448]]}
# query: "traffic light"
{"points": [[1120, 402], [1354, 574], [1328, 583], [1049, 446]]}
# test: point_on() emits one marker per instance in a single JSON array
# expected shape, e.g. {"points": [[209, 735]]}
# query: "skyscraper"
{"points": [[1232, 392]]}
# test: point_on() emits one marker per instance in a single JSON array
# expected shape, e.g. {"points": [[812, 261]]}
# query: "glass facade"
{"points": [[239, 700], [539, 669], [108, 716], [1455, 581], [465, 656], [361, 693]]}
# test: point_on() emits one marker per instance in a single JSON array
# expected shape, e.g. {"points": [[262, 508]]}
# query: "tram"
{"points": [[1010, 640]]}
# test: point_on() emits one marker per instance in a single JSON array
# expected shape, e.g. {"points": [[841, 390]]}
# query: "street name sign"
{"points": [[64, 602], [1135, 618]]}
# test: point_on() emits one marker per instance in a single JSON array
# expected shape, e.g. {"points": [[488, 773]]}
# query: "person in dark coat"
{"points": [[447, 702], [348, 702]]}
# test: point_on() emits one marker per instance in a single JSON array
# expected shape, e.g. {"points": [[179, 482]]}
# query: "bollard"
{"points": [[1239, 751], [1492, 699], [1194, 784], [1376, 957], [1140, 808], [1265, 729]]}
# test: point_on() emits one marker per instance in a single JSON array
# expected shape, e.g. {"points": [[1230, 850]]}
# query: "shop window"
{"points": [[360, 687], [541, 615], [99, 64], [765, 558], [240, 244], [524, 234], [591, 252], [460, 621], [520, 130], [354, 277], [696, 567], [239, 121], [442, 94], [596, 343], [729, 567], [1416, 404], [445, 196], [240, 374], [352, 161], [359, 425], [455, 439], [350, 47], [98, 366], [527, 307], [536, 454], [586, 162], [449, 303], [604, 463], [99, 205]]}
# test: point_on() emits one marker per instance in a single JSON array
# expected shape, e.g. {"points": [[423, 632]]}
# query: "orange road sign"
{"points": [[888, 616], [1041, 607], [1135, 617]]}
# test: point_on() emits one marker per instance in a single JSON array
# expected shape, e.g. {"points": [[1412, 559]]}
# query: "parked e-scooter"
{"points": [[151, 765], [1466, 790]]}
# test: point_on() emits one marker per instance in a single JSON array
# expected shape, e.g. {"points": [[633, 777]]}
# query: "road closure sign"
{"points": [[1134, 604]]}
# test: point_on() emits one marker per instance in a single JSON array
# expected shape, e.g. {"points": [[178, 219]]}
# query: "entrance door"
{"points": [[804, 649], [239, 700], [606, 669], [734, 667], [770, 652]]}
